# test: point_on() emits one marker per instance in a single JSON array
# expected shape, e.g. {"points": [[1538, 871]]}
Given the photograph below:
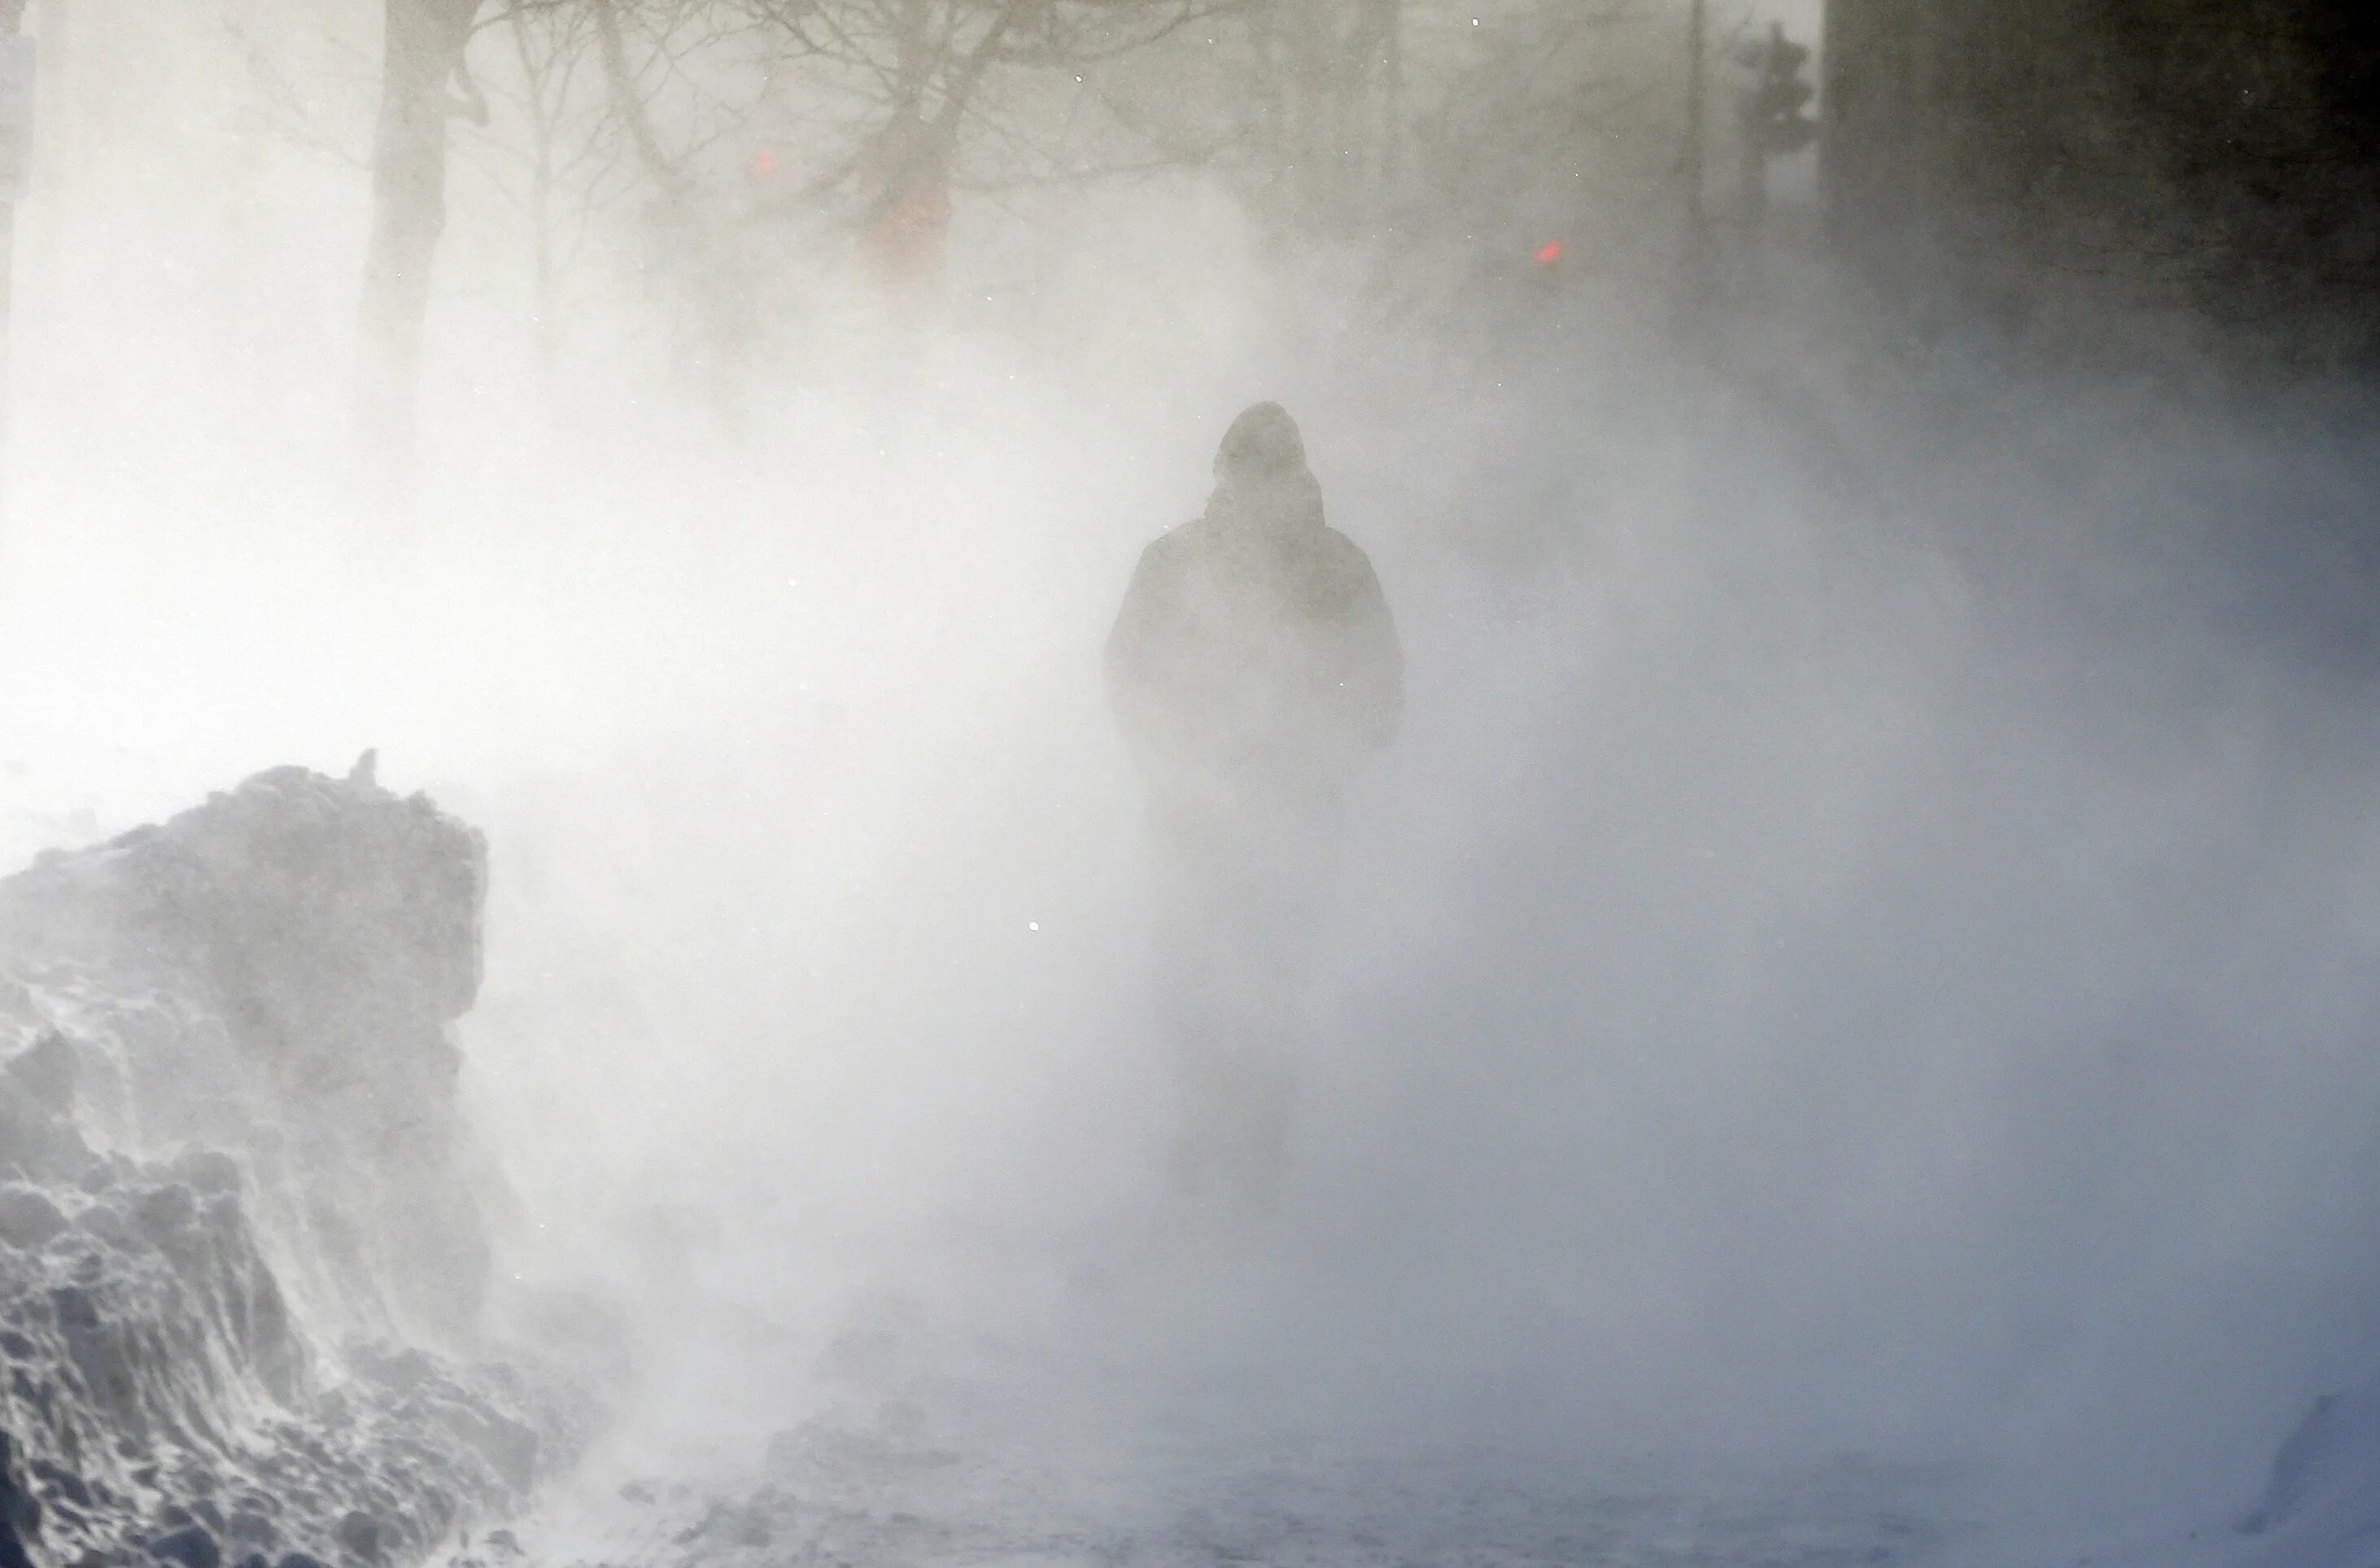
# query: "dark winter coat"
{"points": [[1255, 663]]}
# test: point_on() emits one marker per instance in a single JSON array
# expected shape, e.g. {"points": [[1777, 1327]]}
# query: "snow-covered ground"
{"points": [[965, 1482], [934, 1489]]}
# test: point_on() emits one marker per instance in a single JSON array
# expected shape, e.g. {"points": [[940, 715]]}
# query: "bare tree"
{"points": [[422, 60], [774, 139], [547, 137], [973, 93]]}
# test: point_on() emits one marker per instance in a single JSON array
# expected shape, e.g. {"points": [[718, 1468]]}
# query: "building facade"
{"points": [[2216, 161]]}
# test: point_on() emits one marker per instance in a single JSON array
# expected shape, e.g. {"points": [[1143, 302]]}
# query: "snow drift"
{"points": [[243, 1257]]}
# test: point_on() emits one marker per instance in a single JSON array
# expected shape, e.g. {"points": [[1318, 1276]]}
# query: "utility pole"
{"points": [[1697, 271]]}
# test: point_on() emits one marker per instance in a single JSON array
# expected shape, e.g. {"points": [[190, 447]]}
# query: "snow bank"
{"points": [[242, 1255], [2321, 1506]]}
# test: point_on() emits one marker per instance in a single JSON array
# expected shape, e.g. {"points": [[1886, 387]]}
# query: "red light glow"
{"points": [[1550, 252], [764, 162]]}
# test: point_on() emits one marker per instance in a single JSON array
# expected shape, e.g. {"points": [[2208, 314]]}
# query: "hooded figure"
{"points": [[1254, 663], [1255, 670]]}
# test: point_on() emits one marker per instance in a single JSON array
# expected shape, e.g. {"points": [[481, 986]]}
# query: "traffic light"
{"points": [[1782, 94]]}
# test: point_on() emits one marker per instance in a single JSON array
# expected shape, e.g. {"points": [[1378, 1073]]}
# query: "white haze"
{"points": [[1805, 984]]}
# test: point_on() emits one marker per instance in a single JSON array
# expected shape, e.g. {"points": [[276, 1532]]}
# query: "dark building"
{"points": [[2038, 163]]}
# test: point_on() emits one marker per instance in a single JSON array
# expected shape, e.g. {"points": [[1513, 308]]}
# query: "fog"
{"points": [[1860, 946]]}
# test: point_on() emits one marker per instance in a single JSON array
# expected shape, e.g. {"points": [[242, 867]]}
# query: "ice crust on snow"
{"points": [[242, 1255]]}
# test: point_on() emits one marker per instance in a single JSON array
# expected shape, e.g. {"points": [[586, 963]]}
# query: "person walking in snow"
{"points": [[1255, 670]]}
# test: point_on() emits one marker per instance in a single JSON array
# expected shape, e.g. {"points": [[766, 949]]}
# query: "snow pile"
{"points": [[2320, 1507], [242, 1258], [2322, 1504]]}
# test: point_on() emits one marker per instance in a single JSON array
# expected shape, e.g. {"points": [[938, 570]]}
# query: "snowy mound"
{"points": [[2321, 1504], [241, 1252]]}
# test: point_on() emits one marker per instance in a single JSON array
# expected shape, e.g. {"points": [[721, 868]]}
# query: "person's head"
{"points": [[1261, 446]]}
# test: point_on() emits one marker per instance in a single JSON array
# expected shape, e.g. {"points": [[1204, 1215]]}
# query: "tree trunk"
{"points": [[425, 40], [537, 72]]}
